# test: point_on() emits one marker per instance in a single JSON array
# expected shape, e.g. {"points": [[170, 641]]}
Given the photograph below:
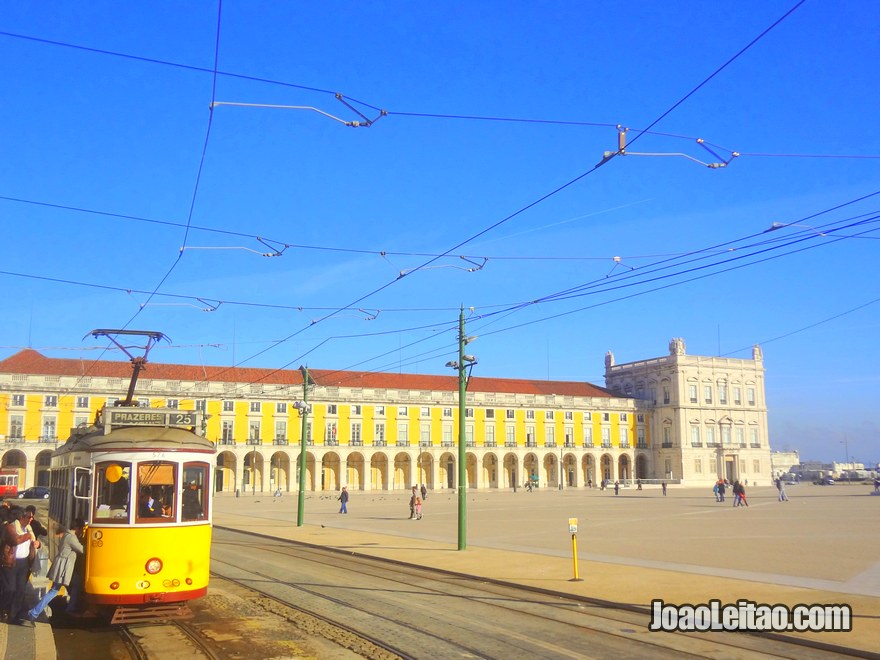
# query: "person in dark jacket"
{"points": [[343, 500]]}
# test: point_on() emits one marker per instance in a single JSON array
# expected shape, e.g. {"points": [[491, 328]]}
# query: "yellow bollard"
{"points": [[572, 527]]}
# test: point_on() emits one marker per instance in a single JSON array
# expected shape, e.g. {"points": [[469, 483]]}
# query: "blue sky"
{"points": [[134, 138]]}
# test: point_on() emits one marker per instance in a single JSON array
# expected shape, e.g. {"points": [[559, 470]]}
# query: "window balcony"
{"points": [[624, 444], [379, 443], [569, 444], [14, 439], [226, 441], [331, 442], [254, 441], [357, 443], [447, 443], [470, 443], [641, 445], [531, 443], [755, 445], [666, 445], [510, 443], [403, 443], [697, 444], [490, 443], [48, 439], [280, 441], [550, 443], [606, 445]]}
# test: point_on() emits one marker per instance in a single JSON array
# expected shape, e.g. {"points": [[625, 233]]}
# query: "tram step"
{"points": [[149, 613]]}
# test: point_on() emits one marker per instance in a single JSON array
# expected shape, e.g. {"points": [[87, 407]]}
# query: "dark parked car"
{"points": [[34, 493]]}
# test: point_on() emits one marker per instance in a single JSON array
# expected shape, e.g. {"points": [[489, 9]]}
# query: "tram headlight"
{"points": [[153, 565]]}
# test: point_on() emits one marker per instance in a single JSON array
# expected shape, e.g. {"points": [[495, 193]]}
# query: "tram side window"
{"points": [[195, 502], [112, 492], [156, 492]]}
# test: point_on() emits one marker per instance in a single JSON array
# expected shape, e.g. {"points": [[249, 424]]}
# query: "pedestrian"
{"points": [[61, 573], [780, 486], [617, 488], [721, 489], [742, 496], [663, 486], [412, 503], [343, 500], [19, 542], [424, 492], [418, 508], [590, 482], [638, 484], [715, 491]]}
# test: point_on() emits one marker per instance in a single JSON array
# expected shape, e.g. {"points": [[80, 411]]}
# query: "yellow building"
{"points": [[369, 431]]}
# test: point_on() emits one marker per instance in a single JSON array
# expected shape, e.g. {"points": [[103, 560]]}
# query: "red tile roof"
{"points": [[30, 361]]}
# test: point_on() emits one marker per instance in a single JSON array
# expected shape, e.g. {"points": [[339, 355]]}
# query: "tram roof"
{"points": [[29, 361], [136, 438]]}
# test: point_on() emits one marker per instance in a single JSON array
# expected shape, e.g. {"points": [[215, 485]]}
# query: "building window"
{"points": [[606, 437], [255, 406], [380, 410], [640, 438], [281, 431], [737, 396], [588, 416], [469, 435], [402, 411], [172, 403], [447, 412], [509, 414], [229, 406], [606, 417], [698, 465], [309, 440], [81, 402], [569, 416], [640, 419], [668, 468], [80, 422], [49, 431], [530, 414], [254, 432], [490, 413], [588, 436], [624, 437], [665, 394], [281, 408], [468, 412], [447, 435], [51, 401], [330, 433], [756, 466], [623, 417], [692, 393], [16, 427], [380, 433], [750, 395], [201, 405], [753, 437], [403, 434], [530, 436], [18, 400], [331, 408], [722, 393], [490, 436], [425, 435], [356, 433], [710, 436], [550, 437], [707, 393], [356, 410], [549, 415], [569, 436], [227, 435], [425, 411], [725, 435], [509, 436], [695, 436], [740, 437]]}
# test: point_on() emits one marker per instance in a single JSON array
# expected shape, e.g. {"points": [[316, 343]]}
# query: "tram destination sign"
{"points": [[146, 417]]}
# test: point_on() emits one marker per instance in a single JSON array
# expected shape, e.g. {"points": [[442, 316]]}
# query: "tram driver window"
{"points": [[195, 476], [156, 490], [112, 492]]}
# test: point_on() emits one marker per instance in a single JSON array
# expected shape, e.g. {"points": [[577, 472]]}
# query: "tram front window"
{"points": [[112, 492], [156, 488], [195, 476]]}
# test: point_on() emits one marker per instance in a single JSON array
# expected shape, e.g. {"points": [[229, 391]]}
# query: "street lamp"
{"points": [[463, 365], [561, 460]]}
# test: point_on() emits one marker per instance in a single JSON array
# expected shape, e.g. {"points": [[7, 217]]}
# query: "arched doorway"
{"points": [[354, 472], [279, 472], [551, 471], [569, 470], [530, 466], [607, 466], [471, 476], [510, 470], [589, 468], [402, 473], [447, 471], [330, 467], [490, 471], [623, 468], [224, 473], [641, 466]]}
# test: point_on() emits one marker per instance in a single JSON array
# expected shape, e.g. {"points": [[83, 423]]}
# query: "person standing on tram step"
{"points": [[343, 500], [424, 492], [19, 542], [77, 583], [61, 573], [412, 503]]}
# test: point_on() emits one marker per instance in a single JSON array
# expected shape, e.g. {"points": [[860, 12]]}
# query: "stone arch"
{"points": [[551, 470], [531, 467], [491, 471], [624, 471], [331, 468], [606, 468], [354, 471], [511, 472], [403, 472], [379, 471], [641, 466], [43, 462], [471, 471], [447, 470], [224, 473], [588, 465], [279, 472], [569, 470]]}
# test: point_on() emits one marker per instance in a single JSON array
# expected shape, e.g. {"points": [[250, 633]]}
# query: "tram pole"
{"points": [[304, 412]]}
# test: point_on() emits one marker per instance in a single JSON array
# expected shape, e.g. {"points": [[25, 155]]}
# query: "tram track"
{"points": [[611, 626], [146, 641]]}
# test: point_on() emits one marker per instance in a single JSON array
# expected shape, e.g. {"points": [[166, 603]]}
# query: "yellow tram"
{"points": [[140, 478]]}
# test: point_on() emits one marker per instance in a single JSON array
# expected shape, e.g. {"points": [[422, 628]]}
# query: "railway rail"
{"points": [[412, 612]]}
